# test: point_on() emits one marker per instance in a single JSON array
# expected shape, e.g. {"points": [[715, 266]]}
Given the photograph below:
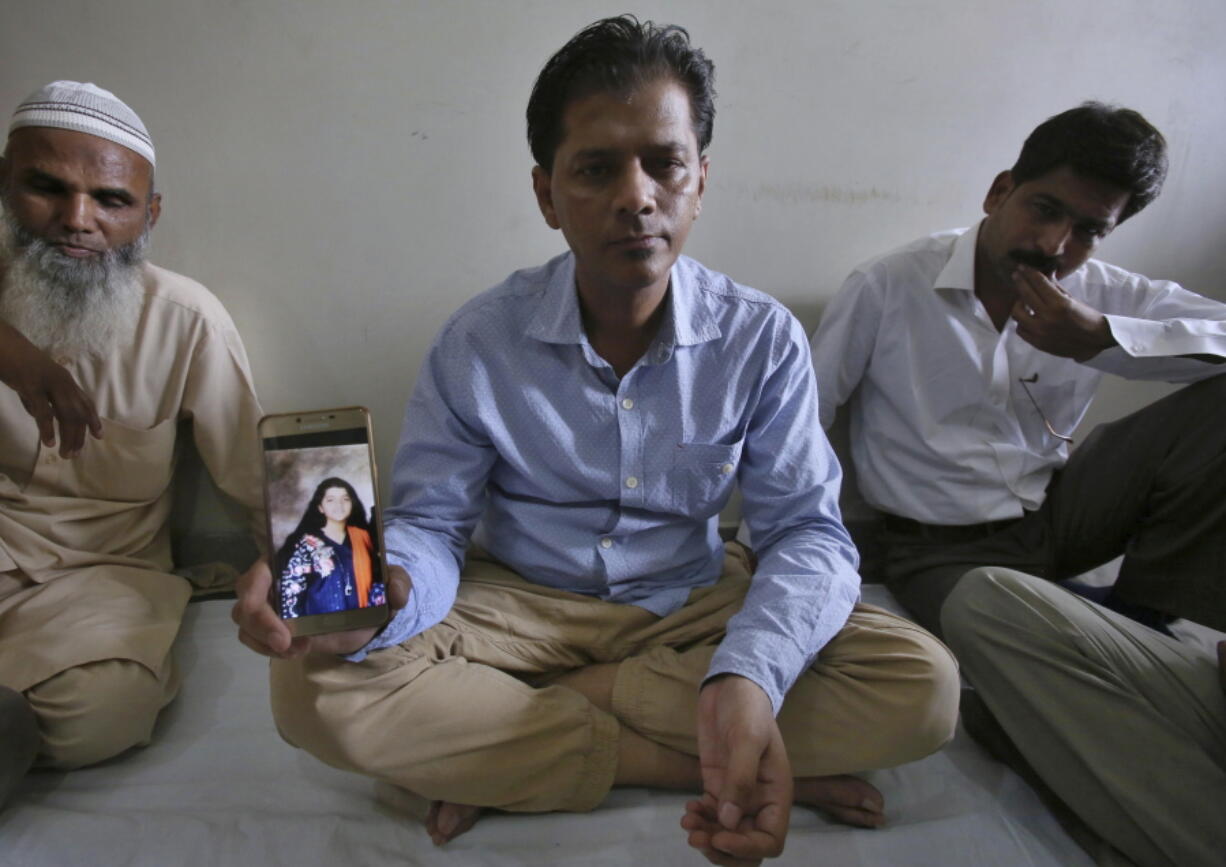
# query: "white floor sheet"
{"points": [[219, 787]]}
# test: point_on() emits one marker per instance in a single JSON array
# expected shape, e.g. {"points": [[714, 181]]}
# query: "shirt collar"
{"points": [[959, 271], [688, 320], [557, 318]]}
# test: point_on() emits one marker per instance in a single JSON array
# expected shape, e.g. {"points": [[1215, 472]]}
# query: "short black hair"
{"points": [[618, 55], [1107, 142]]}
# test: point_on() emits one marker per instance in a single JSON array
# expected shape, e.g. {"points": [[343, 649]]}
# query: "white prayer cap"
{"points": [[85, 108]]}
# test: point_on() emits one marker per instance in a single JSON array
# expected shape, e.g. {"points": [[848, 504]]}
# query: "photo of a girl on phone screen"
{"points": [[325, 564]]}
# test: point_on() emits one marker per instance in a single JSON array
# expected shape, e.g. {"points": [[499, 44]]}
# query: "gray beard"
{"points": [[66, 306]]}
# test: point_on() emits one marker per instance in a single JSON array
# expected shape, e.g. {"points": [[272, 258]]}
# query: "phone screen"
{"points": [[325, 532]]}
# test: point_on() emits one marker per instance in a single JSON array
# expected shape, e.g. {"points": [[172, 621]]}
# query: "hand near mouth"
{"points": [[1046, 265], [1051, 320]]}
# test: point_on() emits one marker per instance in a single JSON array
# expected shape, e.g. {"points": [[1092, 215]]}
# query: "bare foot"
{"points": [[843, 797], [446, 821]]}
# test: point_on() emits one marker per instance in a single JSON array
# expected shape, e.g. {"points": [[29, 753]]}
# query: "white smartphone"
{"points": [[324, 531]]}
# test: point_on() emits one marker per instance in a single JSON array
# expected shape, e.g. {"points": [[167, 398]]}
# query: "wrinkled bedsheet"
{"points": [[219, 787]]}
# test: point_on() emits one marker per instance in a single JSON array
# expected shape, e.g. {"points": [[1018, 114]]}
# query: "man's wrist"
{"points": [[734, 681]]}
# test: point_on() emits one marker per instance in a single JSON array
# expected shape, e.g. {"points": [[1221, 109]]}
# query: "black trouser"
{"points": [[1150, 486]]}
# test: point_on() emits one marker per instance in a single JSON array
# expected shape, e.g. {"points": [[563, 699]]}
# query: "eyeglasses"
{"points": [[1025, 381]]}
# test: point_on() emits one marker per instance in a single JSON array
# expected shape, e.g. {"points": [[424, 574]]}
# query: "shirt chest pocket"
{"points": [[702, 477], [127, 464]]}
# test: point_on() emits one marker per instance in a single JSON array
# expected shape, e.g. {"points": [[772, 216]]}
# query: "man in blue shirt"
{"points": [[584, 423]]}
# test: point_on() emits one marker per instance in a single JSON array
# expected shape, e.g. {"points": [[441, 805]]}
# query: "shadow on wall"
{"points": [[206, 526]]}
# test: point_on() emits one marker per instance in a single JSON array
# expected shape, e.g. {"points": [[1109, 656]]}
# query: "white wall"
{"points": [[344, 175]]}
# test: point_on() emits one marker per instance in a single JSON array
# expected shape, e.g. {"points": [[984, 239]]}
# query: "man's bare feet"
{"points": [[843, 797], [446, 821]]}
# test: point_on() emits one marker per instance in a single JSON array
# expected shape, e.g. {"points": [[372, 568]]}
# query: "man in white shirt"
{"points": [[967, 358]]}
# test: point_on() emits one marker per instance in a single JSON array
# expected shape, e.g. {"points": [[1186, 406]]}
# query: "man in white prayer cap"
{"points": [[102, 356]]}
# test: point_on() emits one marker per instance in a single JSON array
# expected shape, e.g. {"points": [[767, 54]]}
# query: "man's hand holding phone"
{"points": [[263, 631]]}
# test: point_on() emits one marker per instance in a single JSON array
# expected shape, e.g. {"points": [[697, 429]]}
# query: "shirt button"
{"points": [[727, 469], [627, 404], [632, 482], [1136, 347], [606, 542]]}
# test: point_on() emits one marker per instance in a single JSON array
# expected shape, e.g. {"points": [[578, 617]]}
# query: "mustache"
{"points": [[25, 242], [66, 305], [1036, 260]]}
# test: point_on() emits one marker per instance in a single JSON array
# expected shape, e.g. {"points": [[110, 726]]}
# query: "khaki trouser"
{"points": [[1126, 725], [91, 658], [463, 712]]}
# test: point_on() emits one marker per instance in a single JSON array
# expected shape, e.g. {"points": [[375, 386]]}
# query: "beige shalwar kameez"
{"points": [[84, 543]]}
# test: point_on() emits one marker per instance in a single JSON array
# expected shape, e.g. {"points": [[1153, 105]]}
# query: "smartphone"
{"points": [[325, 539]]}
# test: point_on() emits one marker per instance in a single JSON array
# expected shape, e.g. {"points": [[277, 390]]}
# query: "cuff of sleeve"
{"points": [[1146, 338], [394, 631], [400, 627], [769, 660], [430, 597], [1136, 337]]}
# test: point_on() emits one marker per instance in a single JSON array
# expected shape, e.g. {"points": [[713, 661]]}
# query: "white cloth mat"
{"points": [[219, 787]]}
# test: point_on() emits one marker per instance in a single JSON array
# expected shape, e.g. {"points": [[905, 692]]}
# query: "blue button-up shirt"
{"points": [[611, 487]]}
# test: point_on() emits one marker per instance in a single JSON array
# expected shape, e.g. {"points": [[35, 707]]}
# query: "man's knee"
{"points": [[97, 710], [1194, 414], [294, 712], [1207, 396], [319, 708], [897, 687], [927, 688], [984, 599]]}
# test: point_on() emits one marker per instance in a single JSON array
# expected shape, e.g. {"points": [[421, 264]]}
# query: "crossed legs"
{"points": [[529, 699], [72, 692]]}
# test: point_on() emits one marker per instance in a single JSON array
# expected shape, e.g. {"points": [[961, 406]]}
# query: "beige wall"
{"points": [[344, 175]]}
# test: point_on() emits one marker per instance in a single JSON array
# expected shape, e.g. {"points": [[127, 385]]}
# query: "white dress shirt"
{"points": [[942, 430]]}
